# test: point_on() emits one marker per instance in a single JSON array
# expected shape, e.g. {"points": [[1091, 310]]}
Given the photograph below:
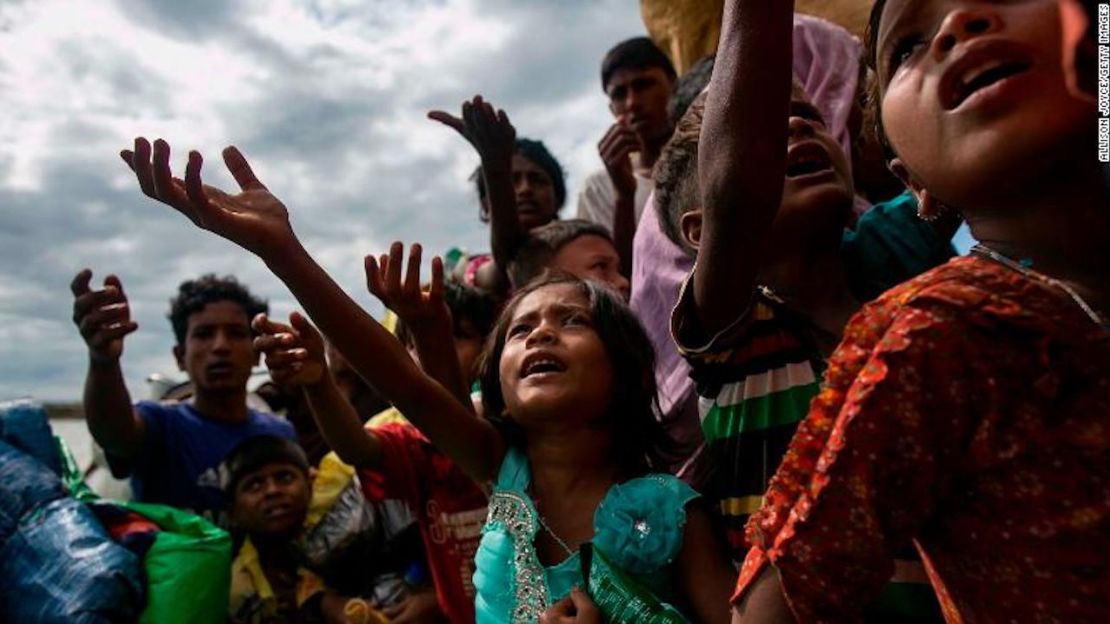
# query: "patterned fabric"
{"points": [[638, 526], [967, 410], [252, 598], [754, 380]]}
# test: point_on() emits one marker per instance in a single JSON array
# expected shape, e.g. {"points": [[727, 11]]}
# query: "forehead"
{"points": [[585, 245], [899, 13], [219, 313], [627, 75], [552, 296], [269, 469]]}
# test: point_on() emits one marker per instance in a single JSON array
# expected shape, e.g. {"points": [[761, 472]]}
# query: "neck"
{"points": [[811, 280], [1063, 230], [572, 461], [230, 407], [274, 550]]}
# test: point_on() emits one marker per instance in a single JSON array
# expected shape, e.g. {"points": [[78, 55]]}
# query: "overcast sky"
{"points": [[327, 99]]}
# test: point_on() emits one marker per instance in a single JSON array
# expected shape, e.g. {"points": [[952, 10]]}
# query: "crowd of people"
{"points": [[750, 381]]}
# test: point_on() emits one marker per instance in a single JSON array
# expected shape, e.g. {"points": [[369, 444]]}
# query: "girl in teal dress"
{"points": [[569, 445]]}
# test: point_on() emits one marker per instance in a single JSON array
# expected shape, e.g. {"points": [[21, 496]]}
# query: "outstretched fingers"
{"points": [[241, 170], [435, 291], [448, 120], [411, 287]]}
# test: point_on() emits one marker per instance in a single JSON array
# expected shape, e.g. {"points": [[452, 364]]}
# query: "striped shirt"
{"points": [[755, 380]]}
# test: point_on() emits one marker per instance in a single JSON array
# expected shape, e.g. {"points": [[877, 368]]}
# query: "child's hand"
{"points": [[418, 308], [615, 148], [102, 316], [489, 131], [253, 219], [577, 608], [294, 353]]}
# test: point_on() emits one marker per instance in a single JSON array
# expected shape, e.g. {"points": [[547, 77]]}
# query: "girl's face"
{"points": [[973, 94], [535, 193], [554, 365]]}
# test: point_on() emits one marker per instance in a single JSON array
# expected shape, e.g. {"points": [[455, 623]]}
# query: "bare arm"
{"points": [[425, 313], [104, 318], [706, 575], [493, 136], [764, 603], [295, 357], [259, 222], [742, 154]]}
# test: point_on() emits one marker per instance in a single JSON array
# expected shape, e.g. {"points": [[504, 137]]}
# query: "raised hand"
{"points": [[489, 131], [294, 353], [102, 316], [419, 308], [253, 218], [615, 148]]}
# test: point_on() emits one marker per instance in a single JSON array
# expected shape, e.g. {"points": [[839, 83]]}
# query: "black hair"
{"points": [[634, 53], [689, 86], [534, 256], [642, 445], [676, 175], [193, 295], [256, 452], [467, 305], [873, 100], [538, 153]]}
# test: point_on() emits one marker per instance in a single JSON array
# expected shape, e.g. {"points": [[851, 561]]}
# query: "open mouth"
{"points": [[981, 68], [807, 159], [277, 511], [541, 364]]}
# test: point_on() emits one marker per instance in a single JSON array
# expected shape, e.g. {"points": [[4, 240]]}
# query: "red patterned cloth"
{"points": [[968, 410]]}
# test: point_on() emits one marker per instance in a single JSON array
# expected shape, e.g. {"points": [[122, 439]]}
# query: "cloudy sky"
{"points": [[326, 97]]}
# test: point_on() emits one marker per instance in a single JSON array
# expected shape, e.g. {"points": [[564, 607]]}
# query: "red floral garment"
{"points": [[969, 410]]}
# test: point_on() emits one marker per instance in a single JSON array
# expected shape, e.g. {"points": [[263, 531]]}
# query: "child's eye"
{"points": [[518, 329], [577, 319], [903, 51]]}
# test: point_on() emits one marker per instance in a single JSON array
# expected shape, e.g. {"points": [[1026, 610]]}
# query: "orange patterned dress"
{"points": [[968, 410]]}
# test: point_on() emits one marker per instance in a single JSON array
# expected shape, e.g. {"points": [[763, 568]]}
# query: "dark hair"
{"points": [[538, 153], [634, 53], [534, 256], [193, 295], [642, 444], [676, 175], [467, 304], [256, 452], [689, 86], [873, 100]]}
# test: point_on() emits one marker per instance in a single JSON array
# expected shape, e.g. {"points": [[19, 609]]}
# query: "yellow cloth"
{"points": [[332, 477], [687, 30], [391, 416], [252, 597]]}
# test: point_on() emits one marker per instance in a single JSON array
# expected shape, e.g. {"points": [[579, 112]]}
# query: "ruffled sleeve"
{"points": [[639, 524]]}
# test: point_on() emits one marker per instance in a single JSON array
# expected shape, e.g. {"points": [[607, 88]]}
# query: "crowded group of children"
{"points": [[750, 383]]}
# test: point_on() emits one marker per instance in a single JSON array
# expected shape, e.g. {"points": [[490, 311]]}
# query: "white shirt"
{"points": [[598, 197]]}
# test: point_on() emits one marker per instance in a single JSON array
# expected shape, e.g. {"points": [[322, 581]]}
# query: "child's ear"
{"points": [[312, 472], [928, 208], [690, 223], [179, 357]]}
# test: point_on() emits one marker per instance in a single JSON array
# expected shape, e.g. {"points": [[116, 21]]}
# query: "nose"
{"points": [[623, 286], [962, 25], [221, 341], [522, 187], [544, 333], [270, 487], [799, 128]]}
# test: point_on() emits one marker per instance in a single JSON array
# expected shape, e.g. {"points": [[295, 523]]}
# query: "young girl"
{"points": [[965, 409], [520, 187], [568, 375]]}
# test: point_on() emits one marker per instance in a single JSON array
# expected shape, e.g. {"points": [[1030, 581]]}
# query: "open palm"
{"points": [[253, 218]]}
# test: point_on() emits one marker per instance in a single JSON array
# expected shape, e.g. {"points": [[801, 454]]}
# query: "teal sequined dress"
{"points": [[638, 526]]}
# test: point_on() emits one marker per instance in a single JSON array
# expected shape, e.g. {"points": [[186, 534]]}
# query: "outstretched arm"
{"points": [[257, 221], [294, 355], [425, 313], [104, 318], [494, 138], [742, 154]]}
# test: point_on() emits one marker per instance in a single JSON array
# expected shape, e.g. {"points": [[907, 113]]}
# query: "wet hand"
{"points": [[294, 353], [252, 218], [102, 316], [416, 306], [488, 130]]}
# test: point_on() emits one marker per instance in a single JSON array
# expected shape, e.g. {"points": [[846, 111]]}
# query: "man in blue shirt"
{"points": [[173, 450]]}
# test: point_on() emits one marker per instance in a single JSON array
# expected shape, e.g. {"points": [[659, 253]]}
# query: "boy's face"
{"points": [[639, 96], [218, 352], [973, 94], [272, 500], [535, 193], [594, 258]]}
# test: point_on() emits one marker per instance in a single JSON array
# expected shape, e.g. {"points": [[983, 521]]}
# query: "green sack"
{"points": [[187, 568], [620, 598]]}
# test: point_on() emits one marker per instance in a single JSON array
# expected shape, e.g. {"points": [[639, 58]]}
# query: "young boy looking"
{"points": [[268, 487], [580, 248], [172, 449]]}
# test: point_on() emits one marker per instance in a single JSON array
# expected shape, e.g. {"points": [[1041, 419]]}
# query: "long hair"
{"points": [[641, 444]]}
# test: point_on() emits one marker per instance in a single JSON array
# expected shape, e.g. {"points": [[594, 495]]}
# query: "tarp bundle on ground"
{"points": [[57, 563]]}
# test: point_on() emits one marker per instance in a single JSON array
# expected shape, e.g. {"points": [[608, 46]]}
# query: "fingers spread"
{"points": [[412, 272]]}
